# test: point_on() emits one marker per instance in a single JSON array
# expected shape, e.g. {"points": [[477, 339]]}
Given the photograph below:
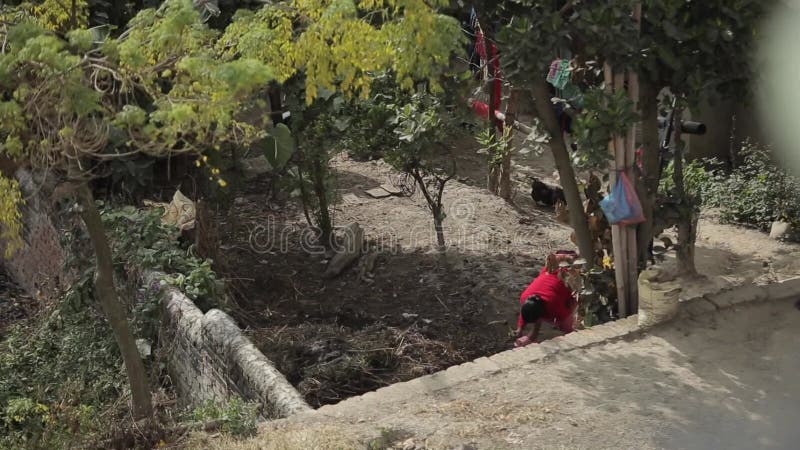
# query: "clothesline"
{"points": [[489, 64]]}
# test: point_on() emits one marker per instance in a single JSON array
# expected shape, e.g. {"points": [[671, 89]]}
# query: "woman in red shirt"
{"points": [[548, 299]]}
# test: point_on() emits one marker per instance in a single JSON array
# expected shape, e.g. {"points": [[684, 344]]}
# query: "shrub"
{"points": [[756, 193], [237, 417], [55, 372], [700, 178], [141, 242], [60, 373]]}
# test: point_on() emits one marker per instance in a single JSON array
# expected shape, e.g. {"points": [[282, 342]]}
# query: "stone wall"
{"points": [[209, 358], [38, 267]]}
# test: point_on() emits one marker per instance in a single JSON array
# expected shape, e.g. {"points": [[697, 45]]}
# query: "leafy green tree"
{"points": [[334, 52], [701, 51], [422, 129], [534, 34], [81, 101], [317, 130]]}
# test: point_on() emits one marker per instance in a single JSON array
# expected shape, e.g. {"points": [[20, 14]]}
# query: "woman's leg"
{"points": [[568, 324]]}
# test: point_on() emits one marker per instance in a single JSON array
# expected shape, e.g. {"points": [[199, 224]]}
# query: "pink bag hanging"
{"points": [[636, 215]]}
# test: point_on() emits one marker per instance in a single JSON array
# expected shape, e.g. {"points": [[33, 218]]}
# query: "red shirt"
{"points": [[556, 296]]}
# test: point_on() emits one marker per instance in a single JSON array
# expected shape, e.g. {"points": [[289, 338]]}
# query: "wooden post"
{"points": [[632, 299], [615, 82], [630, 161], [626, 261]]}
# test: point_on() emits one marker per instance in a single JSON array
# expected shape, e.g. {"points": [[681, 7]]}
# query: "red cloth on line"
{"points": [[557, 297], [496, 74], [497, 77], [481, 109], [480, 44]]}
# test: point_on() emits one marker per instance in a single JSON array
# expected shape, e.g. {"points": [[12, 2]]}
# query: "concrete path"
{"points": [[725, 380]]}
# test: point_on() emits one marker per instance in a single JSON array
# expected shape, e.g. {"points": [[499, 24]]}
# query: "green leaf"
{"points": [[342, 124], [279, 146], [324, 93]]}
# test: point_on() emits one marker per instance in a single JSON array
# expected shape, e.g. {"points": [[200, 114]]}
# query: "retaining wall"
{"points": [[38, 267], [209, 358]]}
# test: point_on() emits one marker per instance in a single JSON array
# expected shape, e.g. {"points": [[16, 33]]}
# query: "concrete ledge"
{"points": [[784, 290], [487, 366], [711, 303], [597, 335]]}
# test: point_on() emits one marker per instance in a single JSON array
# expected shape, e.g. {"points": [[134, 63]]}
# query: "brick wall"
{"points": [[209, 358], [38, 267]]}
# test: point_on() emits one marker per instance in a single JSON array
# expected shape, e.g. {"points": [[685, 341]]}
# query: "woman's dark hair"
{"points": [[533, 309]]}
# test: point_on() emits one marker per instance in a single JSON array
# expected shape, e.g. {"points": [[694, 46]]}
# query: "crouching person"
{"points": [[548, 299]]}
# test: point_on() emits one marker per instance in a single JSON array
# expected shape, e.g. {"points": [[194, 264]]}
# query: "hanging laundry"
{"points": [[573, 95], [481, 109], [551, 75], [489, 58], [474, 25], [559, 74], [564, 120], [497, 78], [472, 28]]}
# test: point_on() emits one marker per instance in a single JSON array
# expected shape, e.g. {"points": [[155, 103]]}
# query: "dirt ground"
{"points": [[414, 313], [724, 381]]}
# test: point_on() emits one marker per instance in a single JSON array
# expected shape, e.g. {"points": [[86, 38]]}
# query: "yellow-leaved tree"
{"points": [[333, 51], [340, 45]]}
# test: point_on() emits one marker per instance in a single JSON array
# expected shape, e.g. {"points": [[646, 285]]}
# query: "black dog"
{"points": [[543, 193]]}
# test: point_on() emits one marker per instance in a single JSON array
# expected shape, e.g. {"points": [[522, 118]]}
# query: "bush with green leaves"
{"points": [[57, 374], [236, 417], [422, 127], [60, 374], [756, 193], [699, 178], [604, 115], [494, 146], [140, 242], [369, 133]]}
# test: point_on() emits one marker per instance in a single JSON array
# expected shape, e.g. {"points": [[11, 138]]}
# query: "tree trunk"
{"points": [[647, 186], [323, 216], [115, 312], [493, 179], [437, 223], [434, 205], [73, 15], [275, 106], [577, 216], [687, 225], [506, 190], [687, 236]]}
